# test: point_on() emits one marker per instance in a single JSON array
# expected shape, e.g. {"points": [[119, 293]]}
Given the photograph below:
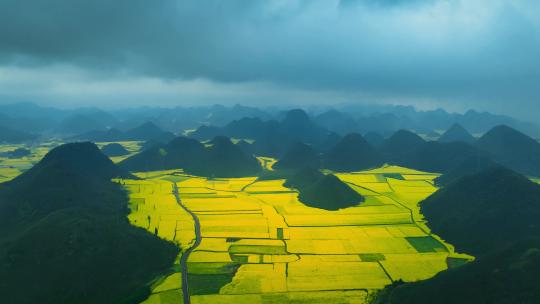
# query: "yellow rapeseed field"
{"points": [[260, 244]]}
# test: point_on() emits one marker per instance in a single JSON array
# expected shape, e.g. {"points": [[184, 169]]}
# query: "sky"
{"points": [[454, 54]]}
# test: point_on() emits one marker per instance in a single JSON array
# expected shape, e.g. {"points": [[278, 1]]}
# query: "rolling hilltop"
{"points": [[513, 149], [221, 158], [114, 149], [324, 191], [145, 132], [457, 133], [352, 153]]}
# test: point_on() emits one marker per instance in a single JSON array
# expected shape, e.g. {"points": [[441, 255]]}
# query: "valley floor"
{"points": [[259, 244]]}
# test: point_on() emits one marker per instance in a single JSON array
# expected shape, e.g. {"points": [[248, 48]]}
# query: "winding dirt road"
{"points": [[185, 255]]}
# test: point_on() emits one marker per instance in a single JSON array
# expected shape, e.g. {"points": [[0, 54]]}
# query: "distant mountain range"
{"points": [[8, 135], [456, 133], [219, 158], [273, 137], [385, 120], [146, 132], [297, 142]]}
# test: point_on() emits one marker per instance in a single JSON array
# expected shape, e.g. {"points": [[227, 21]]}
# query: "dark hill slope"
{"points": [[64, 232], [178, 153], [407, 149], [512, 149], [299, 156], [337, 121], [437, 157], [493, 215], [114, 149], [352, 153], [9, 135], [485, 211], [400, 145], [470, 166], [506, 276], [373, 138], [221, 159], [298, 126], [100, 135], [323, 191], [273, 138], [456, 133], [146, 132]]}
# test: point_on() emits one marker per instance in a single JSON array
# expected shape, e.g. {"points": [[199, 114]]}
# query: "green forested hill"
{"points": [[65, 237]]}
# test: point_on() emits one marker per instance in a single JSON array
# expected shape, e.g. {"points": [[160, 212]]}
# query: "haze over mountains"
{"points": [[298, 142], [385, 120]]}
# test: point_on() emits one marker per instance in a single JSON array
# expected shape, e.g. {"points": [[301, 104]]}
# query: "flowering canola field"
{"points": [[261, 245]]}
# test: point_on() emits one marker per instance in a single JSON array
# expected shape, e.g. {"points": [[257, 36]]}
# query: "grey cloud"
{"points": [[449, 51]]}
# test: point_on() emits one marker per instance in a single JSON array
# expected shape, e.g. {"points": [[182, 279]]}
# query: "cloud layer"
{"points": [[468, 53]]}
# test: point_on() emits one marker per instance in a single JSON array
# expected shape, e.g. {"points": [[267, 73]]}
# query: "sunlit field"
{"points": [[131, 146], [13, 167], [261, 245]]}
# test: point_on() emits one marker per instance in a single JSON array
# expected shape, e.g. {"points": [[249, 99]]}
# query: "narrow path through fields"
{"points": [[185, 255]]}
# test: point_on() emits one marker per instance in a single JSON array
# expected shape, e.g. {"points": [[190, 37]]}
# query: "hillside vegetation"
{"points": [[64, 234], [323, 191], [493, 215], [220, 158]]}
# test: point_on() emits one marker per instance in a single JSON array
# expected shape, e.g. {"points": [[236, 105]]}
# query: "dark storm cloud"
{"points": [[462, 51]]}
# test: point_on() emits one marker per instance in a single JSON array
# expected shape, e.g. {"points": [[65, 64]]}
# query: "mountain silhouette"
{"points": [[352, 153], [472, 165], [456, 133], [145, 132], [322, 191], [221, 159], [299, 156], [8, 135], [114, 149], [497, 202], [512, 149], [63, 228], [400, 144], [373, 138]]}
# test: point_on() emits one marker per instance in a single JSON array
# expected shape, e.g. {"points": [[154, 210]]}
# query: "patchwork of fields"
{"points": [[261, 245], [13, 167]]}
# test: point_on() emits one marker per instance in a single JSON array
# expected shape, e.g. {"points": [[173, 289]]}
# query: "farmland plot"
{"points": [[260, 244]]}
